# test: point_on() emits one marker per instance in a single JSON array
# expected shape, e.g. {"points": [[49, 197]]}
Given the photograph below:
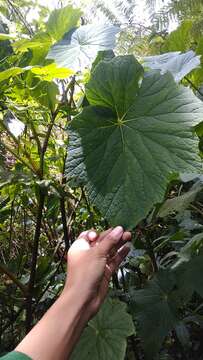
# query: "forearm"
{"points": [[57, 332]]}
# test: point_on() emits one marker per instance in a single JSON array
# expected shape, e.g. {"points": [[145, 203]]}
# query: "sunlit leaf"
{"points": [[80, 46], [51, 72], [6, 74], [62, 20], [178, 64], [15, 126]]}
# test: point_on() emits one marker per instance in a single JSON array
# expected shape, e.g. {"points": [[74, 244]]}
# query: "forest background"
{"points": [[52, 63]]}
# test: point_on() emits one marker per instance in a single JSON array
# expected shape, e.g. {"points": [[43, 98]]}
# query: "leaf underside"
{"points": [[79, 47]]}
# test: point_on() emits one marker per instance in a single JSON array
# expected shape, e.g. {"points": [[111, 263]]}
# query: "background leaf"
{"points": [[178, 64], [80, 46], [62, 20], [155, 311], [51, 72], [105, 336]]}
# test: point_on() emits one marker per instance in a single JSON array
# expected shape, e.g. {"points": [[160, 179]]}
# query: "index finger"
{"points": [[110, 240]]}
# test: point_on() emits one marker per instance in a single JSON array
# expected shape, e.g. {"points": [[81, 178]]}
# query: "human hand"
{"points": [[92, 259]]}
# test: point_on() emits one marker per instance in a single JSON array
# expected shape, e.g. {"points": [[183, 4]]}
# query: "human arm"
{"points": [[92, 259]]}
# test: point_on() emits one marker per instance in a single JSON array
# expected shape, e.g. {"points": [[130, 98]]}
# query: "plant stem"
{"points": [[10, 226], [196, 209], [64, 223], [151, 253], [28, 321], [134, 347], [193, 86], [21, 17], [91, 218], [32, 167], [29, 316]]}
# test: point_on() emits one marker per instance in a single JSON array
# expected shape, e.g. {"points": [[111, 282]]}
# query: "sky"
{"points": [[141, 13]]}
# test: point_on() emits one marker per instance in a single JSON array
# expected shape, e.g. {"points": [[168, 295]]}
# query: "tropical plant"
{"points": [[90, 137]]}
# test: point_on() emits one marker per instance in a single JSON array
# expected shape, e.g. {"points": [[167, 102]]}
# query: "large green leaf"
{"points": [[80, 46], [62, 20], [156, 311], [135, 134], [105, 336]]}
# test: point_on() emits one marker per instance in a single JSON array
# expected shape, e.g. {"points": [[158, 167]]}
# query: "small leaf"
{"points": [[103, 56], [45, 94], [183, 334], [7, 36], [51, 72], [179, 203], [15, 126], [14, 71], [105, 336], [80, 46]]}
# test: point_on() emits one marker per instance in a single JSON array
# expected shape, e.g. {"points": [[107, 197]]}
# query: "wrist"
{"points": [[80, 300]]}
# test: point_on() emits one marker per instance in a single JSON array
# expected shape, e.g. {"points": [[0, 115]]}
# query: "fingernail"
{"points": [[92, 235], [118, 230]]}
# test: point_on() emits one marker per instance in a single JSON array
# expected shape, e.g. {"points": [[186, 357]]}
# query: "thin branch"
{"points": [[6, 271], [64, 223], [36, 137], [21, 17], [34, 262], [151, 253], [193, 86], [34, 170]]}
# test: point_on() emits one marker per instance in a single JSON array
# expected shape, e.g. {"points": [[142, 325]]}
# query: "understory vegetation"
{"points": [[101, 124]]}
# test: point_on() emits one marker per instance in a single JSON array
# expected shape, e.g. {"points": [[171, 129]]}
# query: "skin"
{"points": [[91, 261]]}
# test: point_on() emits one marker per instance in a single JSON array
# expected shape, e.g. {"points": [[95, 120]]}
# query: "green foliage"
{"points": [[6, 74], [156, 311], [158, 306], [134, 136], [179, 65], [62, 20], [130, 132], [180, 39], [51, 72], [179, 203], [80, 46], [104, 338]]}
